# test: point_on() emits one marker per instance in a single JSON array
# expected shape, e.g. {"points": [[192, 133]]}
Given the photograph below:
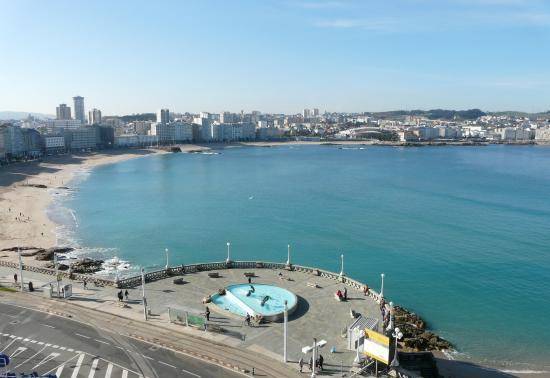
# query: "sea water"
{"points": [[461, 233]]}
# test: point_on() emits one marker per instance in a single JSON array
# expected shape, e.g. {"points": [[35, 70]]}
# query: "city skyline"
{"points": [[277, 57]]}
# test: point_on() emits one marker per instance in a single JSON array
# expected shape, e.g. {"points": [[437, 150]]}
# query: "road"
{"points": [[47, 344]]}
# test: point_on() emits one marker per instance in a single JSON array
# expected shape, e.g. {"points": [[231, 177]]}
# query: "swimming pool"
{"points": [[256, 299]]}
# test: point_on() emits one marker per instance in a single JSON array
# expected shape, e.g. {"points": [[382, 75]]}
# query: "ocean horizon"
{"points": [[461, 233]]}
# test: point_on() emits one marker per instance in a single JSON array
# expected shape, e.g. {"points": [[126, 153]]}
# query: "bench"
{"points": [[249, 274], [214, 275], [313, 284], [178, 281]]}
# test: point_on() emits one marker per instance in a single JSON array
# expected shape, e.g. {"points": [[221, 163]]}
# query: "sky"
{"points": [[275, 56]]}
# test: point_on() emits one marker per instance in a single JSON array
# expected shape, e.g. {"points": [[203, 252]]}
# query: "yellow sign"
{"points": [[377, 346]]}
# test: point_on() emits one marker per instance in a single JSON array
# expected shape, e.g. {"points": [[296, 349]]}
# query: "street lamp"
{"points": [[390, 324], [228, 253], [342, 265], [382, 286], [357, 360], [285, 359], [143, 293], [397, 335], [314, 357], [288, 256], [56, 271], [166, 251], [20, 267]]}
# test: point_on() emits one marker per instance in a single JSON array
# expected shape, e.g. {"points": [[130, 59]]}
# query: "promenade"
{"points": [[317, 315]]}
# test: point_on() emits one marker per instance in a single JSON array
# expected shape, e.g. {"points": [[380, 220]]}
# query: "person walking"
{"points": [[321, 359], [126, 295], [15, 278], [85, 285], [311, 363], [247, 319], [301, 363], [249, 279], [207, 314], [120, 296], [345, 293]]}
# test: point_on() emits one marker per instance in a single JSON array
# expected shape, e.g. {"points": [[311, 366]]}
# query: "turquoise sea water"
{"points": [[462, 233]]}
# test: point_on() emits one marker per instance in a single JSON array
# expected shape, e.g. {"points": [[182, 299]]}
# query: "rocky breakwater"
{"points": [[415, 335]]}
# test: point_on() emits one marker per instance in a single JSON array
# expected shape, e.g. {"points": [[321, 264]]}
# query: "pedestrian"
{"points": [[207, 313], [249, 279], [15, 278], [311, 363], [126, 294], [321, 359], [301, 363], [345, 293], [85, 285], [120, 296], [247, 319]]}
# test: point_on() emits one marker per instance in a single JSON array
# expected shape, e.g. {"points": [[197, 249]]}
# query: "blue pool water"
{"points": [[462, 233], [274, 305]]}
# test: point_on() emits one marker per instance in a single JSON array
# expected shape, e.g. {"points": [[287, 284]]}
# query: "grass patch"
{"points": [[9, 289]]}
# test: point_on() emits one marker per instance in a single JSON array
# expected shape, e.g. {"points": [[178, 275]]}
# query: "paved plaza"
{"points": [[318, 313]]}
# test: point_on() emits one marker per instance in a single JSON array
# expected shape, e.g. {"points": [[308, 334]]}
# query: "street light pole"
{"points": [[143, 293], [288, 256], [342, 265], [314, 357], [166, 250], [357, 360], [56, 271], [397, 335], [20, 267], [390, 324], [228, 253], [285, 330], [382, 286]]}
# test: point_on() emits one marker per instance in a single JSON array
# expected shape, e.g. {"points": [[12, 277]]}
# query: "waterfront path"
{"points": [[318, 315]]}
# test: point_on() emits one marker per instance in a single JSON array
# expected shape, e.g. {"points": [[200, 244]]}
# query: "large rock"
{"points": [[86, 265], [414, 332], [47, 255]]}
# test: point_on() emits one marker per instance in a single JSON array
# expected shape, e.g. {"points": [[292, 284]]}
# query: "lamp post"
{"points": [[285, 359], [390, 324], [20, 267], [314, 357], [143, 293], [288, 256], [166, 251], [397, 335], [342, 265], [228, 253], [56, 271], [382, 286]]}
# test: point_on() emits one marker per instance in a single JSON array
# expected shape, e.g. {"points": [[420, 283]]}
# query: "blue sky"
{"points": [[275, 56]]}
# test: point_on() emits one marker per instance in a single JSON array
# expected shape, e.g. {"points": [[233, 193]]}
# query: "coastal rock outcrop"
{"points": [[87, 265], [415, 335], [47, 254]]}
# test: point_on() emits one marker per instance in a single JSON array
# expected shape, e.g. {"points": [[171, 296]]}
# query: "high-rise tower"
{"points": [[79, 109]]}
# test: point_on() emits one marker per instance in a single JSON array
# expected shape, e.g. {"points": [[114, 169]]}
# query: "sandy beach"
{"points": [[25, 194]]}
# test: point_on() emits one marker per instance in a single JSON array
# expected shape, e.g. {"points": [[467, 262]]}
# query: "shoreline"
{"points": [[19, 191]]}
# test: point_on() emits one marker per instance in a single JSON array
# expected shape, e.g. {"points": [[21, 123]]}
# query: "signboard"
{"points": [[377, 346]]}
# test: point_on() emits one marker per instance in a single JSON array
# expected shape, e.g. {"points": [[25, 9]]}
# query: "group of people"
{"points": [[342, 294], [318, 363], [121, 295]]}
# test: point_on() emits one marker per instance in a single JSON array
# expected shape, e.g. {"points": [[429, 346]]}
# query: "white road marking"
{"points": [[46, 359], [7, 346], [78, 365], [119, 347], [101, 341], [93, 368], [59, 370], [55, 346], [109, 370], [167, 364], [33, 341], [149, 358], [70, 350], [190, 373], [86, 337], [62, 348], [17, 352], [30, 358], [25, 339], [47, 325], [40, 343]]}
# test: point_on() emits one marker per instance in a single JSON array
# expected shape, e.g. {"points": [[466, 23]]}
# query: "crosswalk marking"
{"points": [[78, 365], [109, 370], [7, 346], [93, 368]]}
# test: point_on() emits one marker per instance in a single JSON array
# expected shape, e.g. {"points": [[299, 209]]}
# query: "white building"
{"points": [[54, 144], [79, 109], [306, 113], [183, 132], [542, 134], [133, 140], [163, 116], [165, 132], [94, 116], [56, 125]]}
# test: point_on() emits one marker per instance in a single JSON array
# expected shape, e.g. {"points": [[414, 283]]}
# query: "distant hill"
{"points": [[6, 115], [433, 114], [138, 117]]}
